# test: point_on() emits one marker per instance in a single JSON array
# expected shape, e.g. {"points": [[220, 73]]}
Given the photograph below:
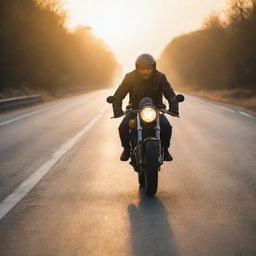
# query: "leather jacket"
{"points": [[154, 87]]}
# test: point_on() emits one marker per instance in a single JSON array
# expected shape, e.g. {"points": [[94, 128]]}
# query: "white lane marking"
{"points": [[25, 187], [20, 117], [246, 114], [29, 114], [233, 111], [224, 108]]}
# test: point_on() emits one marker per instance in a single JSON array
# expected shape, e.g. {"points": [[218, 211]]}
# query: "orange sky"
{"points": [[132, 27]]}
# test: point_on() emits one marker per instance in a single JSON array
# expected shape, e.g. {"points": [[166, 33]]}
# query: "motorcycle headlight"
{"points": [[148, 114]]}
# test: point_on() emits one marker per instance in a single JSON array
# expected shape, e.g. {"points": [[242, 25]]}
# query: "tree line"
{"points": [[220, 55], [38, 52]]}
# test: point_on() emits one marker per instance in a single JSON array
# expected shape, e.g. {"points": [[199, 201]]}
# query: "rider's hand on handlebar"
{"points": [[176, 113], [118, 113]]}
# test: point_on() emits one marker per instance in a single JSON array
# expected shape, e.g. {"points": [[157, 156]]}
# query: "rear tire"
{"points": [[152, 167]]}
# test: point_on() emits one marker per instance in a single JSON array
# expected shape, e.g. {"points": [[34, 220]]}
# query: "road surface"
{"points": [[63, 190]]}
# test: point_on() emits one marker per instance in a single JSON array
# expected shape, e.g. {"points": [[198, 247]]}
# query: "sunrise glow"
{"points": [[133, 27]]}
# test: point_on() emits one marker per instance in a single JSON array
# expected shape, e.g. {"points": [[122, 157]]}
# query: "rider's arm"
{"points": [[120, 94], [170, 95]]}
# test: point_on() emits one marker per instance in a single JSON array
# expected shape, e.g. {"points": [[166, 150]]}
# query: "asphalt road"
{"points": [[63, 190]]}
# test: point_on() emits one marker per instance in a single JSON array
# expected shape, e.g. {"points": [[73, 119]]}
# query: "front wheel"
{"points": [[151, 149]]}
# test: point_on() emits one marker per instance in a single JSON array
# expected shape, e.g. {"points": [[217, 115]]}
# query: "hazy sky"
{"points": [[132, 27]]}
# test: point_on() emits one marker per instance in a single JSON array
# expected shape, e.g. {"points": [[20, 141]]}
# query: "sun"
{"points": [[114, 23]]}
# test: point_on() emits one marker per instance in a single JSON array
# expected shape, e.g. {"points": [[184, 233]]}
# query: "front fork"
{"points": [[140, 142], [158, 138]]}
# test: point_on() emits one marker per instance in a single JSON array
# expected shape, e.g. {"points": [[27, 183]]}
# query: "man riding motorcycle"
{"points": [[145, 81]]}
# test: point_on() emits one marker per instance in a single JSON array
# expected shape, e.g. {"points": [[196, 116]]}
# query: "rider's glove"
{"points": [[174, 106], [118, 113], [175, 112]]}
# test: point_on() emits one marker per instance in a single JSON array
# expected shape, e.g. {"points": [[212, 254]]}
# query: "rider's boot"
{"points": [[167, 155], [125, 154]]}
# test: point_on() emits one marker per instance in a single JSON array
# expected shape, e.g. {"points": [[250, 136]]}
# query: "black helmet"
{"points": [[145, 59]]}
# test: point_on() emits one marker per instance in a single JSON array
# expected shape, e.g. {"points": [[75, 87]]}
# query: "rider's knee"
{"points": [[123, 126], [169, 126], [165, 123]]}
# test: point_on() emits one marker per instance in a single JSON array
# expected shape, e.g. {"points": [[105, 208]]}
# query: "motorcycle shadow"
{"points": [[151, 232]]}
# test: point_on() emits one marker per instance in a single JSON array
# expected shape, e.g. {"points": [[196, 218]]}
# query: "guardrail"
{"points": [[18, 101]]}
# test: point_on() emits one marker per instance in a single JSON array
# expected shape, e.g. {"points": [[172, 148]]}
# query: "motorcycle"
{"points": [[147, 153]]}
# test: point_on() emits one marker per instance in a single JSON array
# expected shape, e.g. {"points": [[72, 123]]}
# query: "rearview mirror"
{"points": [[180, 98], [111, 99]]}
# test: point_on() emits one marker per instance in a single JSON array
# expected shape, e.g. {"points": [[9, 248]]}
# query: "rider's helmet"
{"points": [[145, 59]]}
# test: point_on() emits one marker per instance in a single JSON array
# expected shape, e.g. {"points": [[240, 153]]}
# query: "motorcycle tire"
{"points": [[151, 169]]}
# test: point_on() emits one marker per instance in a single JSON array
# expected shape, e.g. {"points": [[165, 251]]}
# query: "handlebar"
{"points": [[169, 112], [136, 111], [126, 112]]}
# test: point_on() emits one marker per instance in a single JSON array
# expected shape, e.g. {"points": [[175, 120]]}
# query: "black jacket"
{"points": [[155, 88]]}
